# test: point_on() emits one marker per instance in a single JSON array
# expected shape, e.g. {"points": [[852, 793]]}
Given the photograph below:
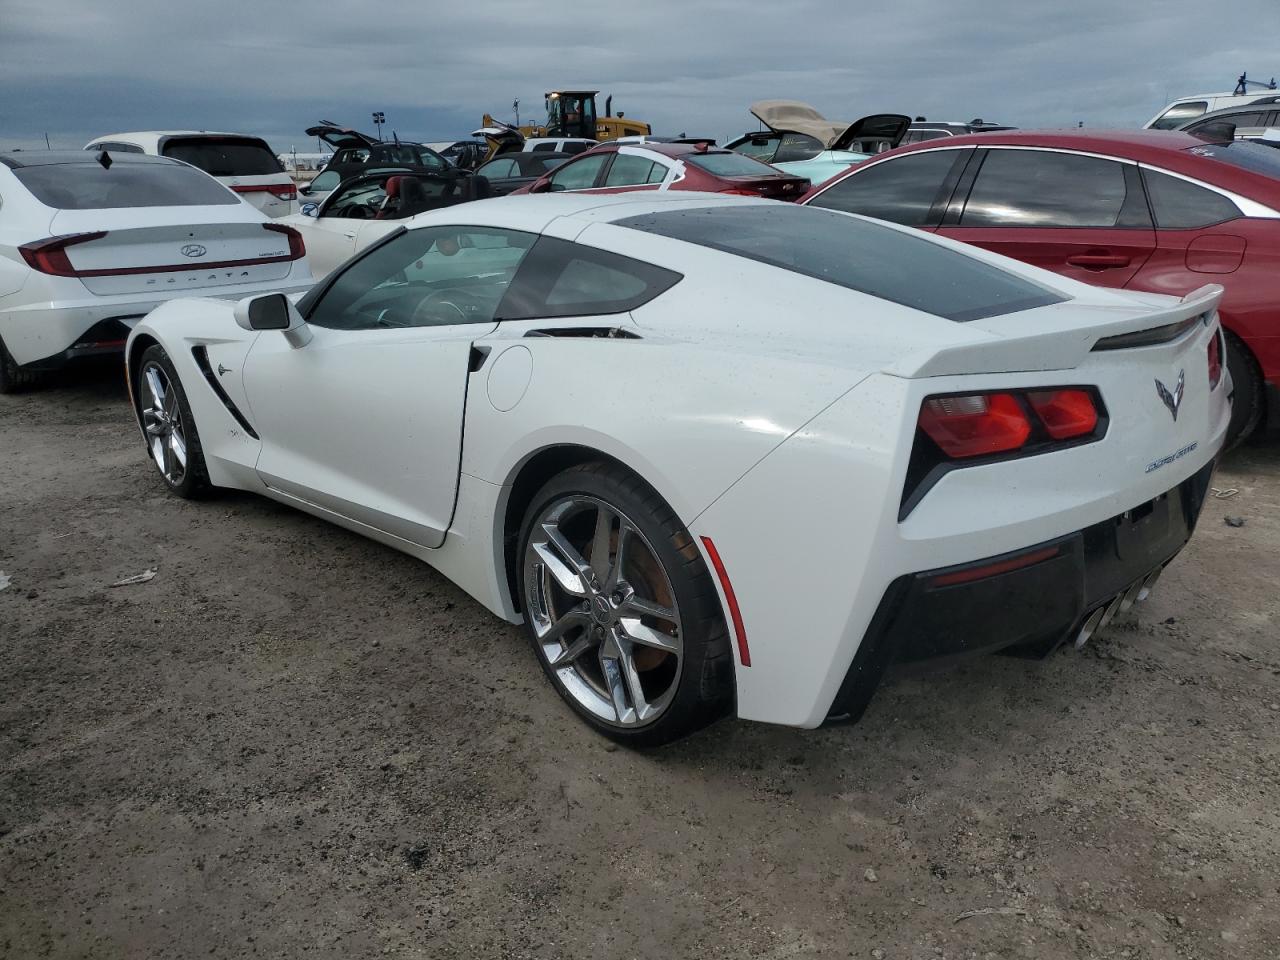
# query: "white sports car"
{"points": [[89, 244], [717, 454]]}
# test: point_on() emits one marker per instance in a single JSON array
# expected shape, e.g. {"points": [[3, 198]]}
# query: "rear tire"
{"points": [[1250, 400], [641, 647], [172, 439], [12, 377]]}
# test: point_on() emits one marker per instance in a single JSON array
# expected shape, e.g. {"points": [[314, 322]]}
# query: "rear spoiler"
{"points": [[1043, 339]]}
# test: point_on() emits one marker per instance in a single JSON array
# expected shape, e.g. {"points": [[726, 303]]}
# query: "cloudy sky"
{"points": [[75, 69]]}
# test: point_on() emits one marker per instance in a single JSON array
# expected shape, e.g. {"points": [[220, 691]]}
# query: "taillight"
{"points": [[50, 256], [979, 427], [1215, 359], [970, 426], [297, 249], [282, 191], [1065, 413]]}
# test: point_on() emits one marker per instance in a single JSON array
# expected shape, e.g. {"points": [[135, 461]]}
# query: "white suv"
{"points": [[245, 164]]}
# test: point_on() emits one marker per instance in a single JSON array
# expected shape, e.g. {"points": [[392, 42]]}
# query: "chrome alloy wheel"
{"points": [[162, 421], [603, 611]]}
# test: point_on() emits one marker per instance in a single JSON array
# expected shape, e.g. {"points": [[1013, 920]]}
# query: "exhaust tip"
{"points": [[1090, 627], [1147, 584]]}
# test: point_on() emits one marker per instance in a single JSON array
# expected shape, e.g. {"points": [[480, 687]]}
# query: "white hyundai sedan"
{"points": [[87, 246], [719, 455]]}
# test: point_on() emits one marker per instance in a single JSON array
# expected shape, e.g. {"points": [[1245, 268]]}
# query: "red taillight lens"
{"points": [[1215, 360], [50, 256], [970, 426], [297, 249], [1065, 413], [283, 191]]}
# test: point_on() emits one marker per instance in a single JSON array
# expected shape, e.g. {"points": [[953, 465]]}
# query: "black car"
{"points": [[509, 171], [1247, 121], [355, 152]]}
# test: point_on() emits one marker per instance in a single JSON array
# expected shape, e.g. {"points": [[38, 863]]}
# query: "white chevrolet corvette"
{"points": [[717, 454]]}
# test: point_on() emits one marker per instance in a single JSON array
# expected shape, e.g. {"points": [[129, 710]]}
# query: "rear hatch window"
{"points": [[88, 186], [730, 164], [895, 265], [225, 156]]}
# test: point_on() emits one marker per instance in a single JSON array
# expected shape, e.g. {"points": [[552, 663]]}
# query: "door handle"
{"points": [[1098, 261], [352, 236]]}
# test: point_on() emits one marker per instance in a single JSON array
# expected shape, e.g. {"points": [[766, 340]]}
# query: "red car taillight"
{"points": [[282, 191], [1215, 360], [979, 424], [297, 249], [50, 256], [974, 425], [980, 427], [1065, 413]]}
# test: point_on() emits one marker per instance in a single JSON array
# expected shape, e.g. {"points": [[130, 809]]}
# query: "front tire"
{"points": [[620, 609], [170, 427], [1250, 400]]}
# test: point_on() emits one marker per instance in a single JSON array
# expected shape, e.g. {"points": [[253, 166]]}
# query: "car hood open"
{"points": [[792, 116], [340, 138]]}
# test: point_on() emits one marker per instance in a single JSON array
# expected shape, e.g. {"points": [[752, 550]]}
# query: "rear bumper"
{"points": [[46, 334], [1036, 597]]}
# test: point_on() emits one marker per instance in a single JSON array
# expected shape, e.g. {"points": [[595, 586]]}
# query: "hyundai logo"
{"points": [[193, 250]]}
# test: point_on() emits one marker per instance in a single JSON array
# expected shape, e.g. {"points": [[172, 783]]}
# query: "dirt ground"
{"points": [[293, 742]]}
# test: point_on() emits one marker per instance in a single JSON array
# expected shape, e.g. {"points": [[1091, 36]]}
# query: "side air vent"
{"points": [[201, 355], [1147, 338], [586, 333]]}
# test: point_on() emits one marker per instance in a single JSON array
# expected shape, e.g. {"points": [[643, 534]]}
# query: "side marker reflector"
{"points": [[991, 569], [739, 631]]}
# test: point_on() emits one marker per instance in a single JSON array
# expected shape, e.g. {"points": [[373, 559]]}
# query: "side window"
{"points": [[433, 276], [1179, 205], [502, 167], [580, 174], [629, 170], [657, 174], [901, 191], [117, 147], [564, 279], [797, 146], [1040, 188]]}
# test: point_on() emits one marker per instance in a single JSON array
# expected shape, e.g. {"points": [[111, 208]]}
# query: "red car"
{"points": [[614, 167], [1149, 210]]}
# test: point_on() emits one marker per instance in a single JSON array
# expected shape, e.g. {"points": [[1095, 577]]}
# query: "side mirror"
{"points": [[273, 311], [542, 187]]}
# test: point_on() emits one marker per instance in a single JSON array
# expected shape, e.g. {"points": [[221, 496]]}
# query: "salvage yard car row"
{"points": [[592, 406]]}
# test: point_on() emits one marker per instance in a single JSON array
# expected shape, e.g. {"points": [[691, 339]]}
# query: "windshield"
{"points": [[1179, 114], [225, 156], [896, 265], [87, 186], [1246, 154]]}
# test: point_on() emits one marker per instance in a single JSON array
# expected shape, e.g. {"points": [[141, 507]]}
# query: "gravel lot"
{"points": [[294, 742]]}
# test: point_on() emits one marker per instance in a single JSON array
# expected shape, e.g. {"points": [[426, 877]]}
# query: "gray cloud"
{"points": [[79, 68]]}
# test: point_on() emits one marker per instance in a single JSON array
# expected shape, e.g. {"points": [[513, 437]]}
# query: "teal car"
{"points": [[800, 140]]}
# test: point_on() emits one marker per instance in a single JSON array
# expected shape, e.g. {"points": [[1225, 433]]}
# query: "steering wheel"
{"points": [[359, 211], [436, 310]]}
